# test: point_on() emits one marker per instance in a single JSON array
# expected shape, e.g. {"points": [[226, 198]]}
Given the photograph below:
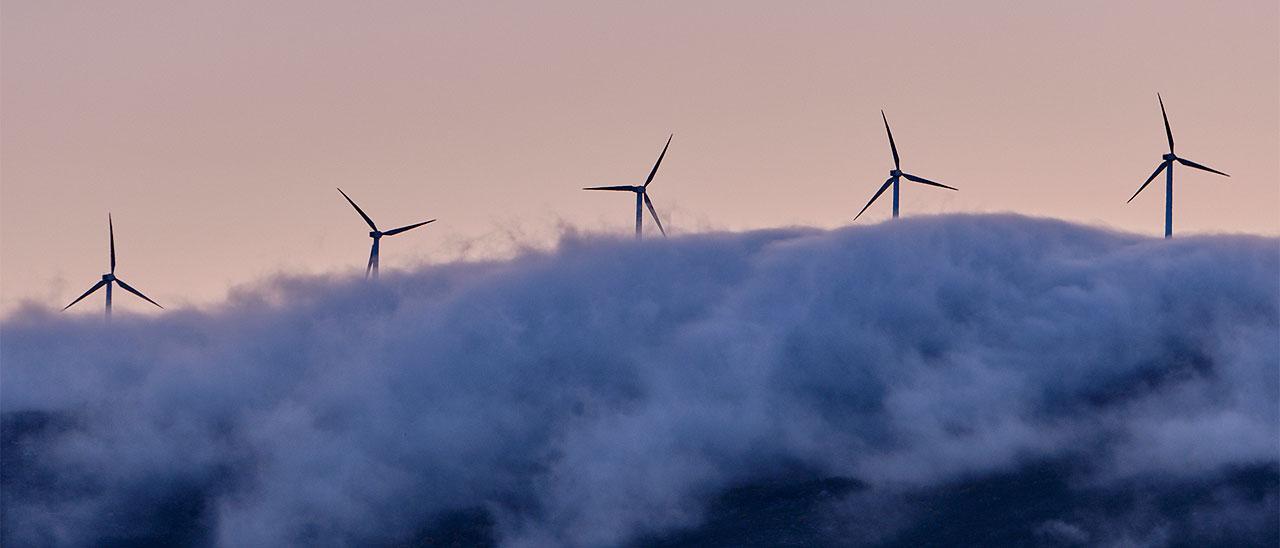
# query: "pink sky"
{"points": [[216, 132]]}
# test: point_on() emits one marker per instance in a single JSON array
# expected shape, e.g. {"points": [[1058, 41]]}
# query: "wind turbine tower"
{"points": [[1166, 163], [110, 278], [642, 195], [895, 175], [371, 269]]}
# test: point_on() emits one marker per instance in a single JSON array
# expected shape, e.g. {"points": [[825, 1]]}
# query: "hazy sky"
{"points": [[216, 132]]}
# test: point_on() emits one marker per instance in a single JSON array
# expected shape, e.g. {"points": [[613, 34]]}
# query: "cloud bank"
{"points": [[966, 376]]}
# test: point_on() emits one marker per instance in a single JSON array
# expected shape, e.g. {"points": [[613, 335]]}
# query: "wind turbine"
{"points": [[110, 278], [895, 174], [1167, 163], [642, 194], [372, 268]]}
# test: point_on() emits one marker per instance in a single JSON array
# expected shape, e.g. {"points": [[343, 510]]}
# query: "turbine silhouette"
{"points": [[372, 268], [895, 174], [1167, 163], [110, 278], [642, 195]]}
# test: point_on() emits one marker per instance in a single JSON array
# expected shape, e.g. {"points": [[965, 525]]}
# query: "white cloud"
{"points": [[610, 389]]}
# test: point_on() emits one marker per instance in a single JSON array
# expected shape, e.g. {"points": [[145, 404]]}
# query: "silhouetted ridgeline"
{"points": [[956, 380]]}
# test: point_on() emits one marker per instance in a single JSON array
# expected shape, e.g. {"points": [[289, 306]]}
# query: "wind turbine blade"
{"points": [[897, 164], [358, 210], [368, 267], [111, 230], [649, 204], [1149, 179], [1167, 132], [130, 289], [627, 188], [1189, 163], [873, 198], [911, 177], [659, 162], [87, 293], [395, 231]]}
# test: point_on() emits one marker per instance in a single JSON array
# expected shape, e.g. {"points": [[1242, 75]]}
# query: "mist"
{"points": [[1110, 388]]}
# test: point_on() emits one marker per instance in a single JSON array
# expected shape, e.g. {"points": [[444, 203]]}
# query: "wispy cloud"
{"points": [[608, 390]]}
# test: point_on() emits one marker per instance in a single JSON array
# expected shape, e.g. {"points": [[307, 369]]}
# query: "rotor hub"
{"points": [[375, 234], [895, 173], [1169, 156], [108, 277]]}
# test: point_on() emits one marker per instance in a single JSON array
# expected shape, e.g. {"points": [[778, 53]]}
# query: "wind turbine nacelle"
{"points": [[1169, 157], [375, 234], [108, 277], [895, 173]]}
